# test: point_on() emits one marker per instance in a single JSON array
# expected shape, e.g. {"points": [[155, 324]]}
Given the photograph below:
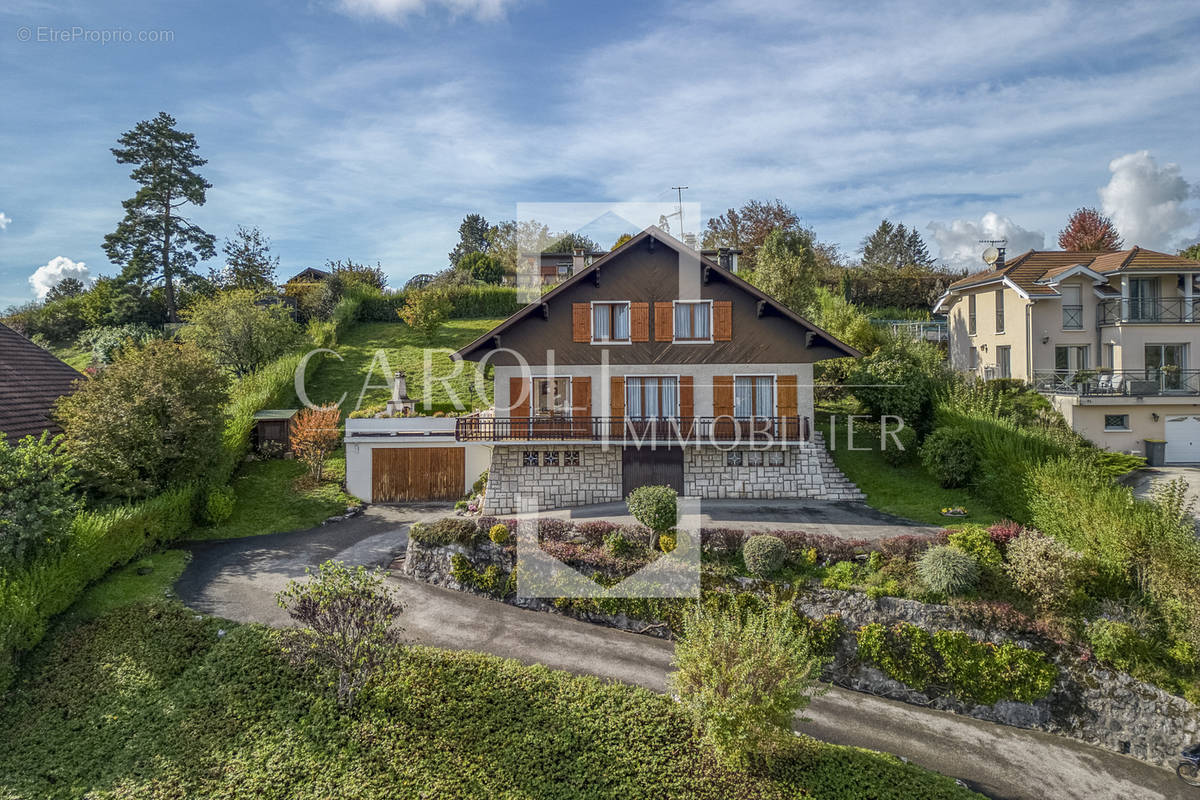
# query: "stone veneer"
{"points": [[706, 474], [597, 479]]}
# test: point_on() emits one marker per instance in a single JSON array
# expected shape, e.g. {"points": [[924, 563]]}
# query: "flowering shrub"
{"points": [[498, 533]]}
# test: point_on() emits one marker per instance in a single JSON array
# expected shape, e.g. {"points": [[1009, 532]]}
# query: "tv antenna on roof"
{"points": [[993, 253], [679, 211]]}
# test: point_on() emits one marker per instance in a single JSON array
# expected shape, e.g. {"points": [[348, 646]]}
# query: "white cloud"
{"points": [[46, 277], [4, 220], [959, 242], [1146, 201], [399, 9]]}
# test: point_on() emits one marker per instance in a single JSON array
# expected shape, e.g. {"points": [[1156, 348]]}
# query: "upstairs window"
{"points": [[999, 311], [754, 396], [971, 315], [1072, 308], [652, 397], [610, 322], [693, 322]]}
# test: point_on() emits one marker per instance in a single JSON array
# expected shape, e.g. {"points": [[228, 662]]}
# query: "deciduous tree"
{"points": [[240, 334], [748, 227], [1089, 231], [425, 311], [1192, 252], [787, 268], [314, 435], [482, 267], [349, 274], [152, 418], [249, 263], [154, 241]]}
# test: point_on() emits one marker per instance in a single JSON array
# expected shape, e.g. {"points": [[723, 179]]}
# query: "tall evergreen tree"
{"points": [[472, 238], [153, 241], [248, 262], [892, 246]]}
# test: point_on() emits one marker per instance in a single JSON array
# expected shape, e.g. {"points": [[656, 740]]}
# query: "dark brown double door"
{"points": [[642, 466]]}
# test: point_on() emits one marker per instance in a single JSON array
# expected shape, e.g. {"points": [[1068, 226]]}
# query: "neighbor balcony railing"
{"points": [[1072, 318], [1166, 310], [634, 430], [1118, 383]]}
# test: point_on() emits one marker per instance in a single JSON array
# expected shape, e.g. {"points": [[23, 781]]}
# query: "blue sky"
{"points": [[366, 129]]}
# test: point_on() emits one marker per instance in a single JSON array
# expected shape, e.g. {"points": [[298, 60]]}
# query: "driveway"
{"points": [[848, 520], [1144, 481], [238, 579]]}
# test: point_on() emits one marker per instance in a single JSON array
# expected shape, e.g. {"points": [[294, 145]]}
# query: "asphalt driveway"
{"points": [[238, 579]]}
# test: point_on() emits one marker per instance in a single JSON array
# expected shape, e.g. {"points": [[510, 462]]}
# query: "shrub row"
{"points": [[954, 663], [466, 302]]}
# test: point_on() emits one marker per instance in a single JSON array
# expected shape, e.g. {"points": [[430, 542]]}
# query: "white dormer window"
{"points": [[693, 321], [610, 322]]}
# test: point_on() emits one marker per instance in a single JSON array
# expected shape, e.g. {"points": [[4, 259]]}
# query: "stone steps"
{"points": [[837, 485]]}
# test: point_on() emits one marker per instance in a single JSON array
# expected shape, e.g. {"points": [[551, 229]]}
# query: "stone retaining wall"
{"points": [[1089, 702]]}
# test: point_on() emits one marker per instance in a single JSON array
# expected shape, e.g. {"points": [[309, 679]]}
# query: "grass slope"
{"points": [[908, 491], [150, 702], [371, 351], [268, 500]]}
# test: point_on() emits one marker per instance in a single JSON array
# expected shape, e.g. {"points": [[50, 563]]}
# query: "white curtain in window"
{"points": [[743, 397], [683, 321], [621, 320], [670, 397], [600, 322], [633, 397], [764, 396], [700, 320]]}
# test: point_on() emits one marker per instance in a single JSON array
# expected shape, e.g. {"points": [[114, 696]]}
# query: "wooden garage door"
{"points": [[404, 474], [641, 466]]}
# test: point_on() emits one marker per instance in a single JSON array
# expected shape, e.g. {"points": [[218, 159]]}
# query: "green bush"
{"points": [[1045, 569], [619, 545], [1119, 644], [954, 663], [218, 505], [448, 530], [654, 507], [843, 575], [899, 455], [900, 379], [764, 555], [37, 499], [498, 533], [948, 570], [949, 456], [466, 302], [492, 580], [976, 541]]}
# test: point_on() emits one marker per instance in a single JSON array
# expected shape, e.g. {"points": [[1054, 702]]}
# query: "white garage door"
{"points": [[1183, 440]]}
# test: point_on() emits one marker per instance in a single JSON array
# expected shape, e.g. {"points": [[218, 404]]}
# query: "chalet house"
{"points": [[1112, 339], [309, 275], [31, 381], [651, 365]]}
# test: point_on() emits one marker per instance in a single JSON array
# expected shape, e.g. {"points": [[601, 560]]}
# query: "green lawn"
{"points": [[372, 351], [78, 358], [907, 491], [148, 578], [151, 701], [266, 499]]}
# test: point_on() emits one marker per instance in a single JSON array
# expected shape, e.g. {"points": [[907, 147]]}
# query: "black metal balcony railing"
{"points": [[1072, 318], [1163, 310], [631, 430], [1120, 383]]}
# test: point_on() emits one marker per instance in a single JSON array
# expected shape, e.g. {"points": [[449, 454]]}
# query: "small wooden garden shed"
{"points": [[273, 425]]}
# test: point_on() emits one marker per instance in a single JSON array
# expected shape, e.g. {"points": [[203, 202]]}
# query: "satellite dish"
{"points": [[990, 256]]}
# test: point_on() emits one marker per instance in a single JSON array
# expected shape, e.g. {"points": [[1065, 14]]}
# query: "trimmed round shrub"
{"points": [[498, 533], [948, 453], [976, 541], [654, 507], [764, 555], [218, 506], [948, 570]]}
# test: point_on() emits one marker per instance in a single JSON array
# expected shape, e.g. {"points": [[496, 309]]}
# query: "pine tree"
{"points": [[893, 246], [153, 241], [472, 238]]}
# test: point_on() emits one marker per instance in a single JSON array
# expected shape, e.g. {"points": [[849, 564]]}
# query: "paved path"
{"points": [[843, 518], [238, 578]]}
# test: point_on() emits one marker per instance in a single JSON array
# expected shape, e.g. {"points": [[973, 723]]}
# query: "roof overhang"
{"points": [[1002, 280]]}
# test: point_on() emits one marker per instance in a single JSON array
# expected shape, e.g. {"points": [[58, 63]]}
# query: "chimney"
{"points": [[401, 405], [733, 254], [1000, 258], [577, 261], [723, 258]]}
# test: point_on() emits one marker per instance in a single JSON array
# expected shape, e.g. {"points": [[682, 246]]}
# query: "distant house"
{"points": [[31, 381], [309, 275]]}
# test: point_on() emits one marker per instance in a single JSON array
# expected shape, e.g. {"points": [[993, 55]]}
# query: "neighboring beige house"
{"points": [[1112, 339]]}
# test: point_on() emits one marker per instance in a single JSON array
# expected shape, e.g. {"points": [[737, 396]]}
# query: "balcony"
{"points": [[1121, 383], [1146, 311], [636, 431]]}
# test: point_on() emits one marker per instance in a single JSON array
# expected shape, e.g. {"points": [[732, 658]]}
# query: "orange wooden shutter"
{"points": [[581, 318], [616, 405], [519, 395], [687, 403], [639, 322], [789, 401], [722, 321], [664, 322], [723, 396], [581, 396]]}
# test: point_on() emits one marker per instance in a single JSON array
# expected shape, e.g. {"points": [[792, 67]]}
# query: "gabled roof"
{"points": [[1032, 272], [309, 274], [715, 271], [31, 381]]}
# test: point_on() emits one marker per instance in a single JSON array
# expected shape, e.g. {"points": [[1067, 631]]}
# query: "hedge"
{"points": [[102, 540], [466, 302]]}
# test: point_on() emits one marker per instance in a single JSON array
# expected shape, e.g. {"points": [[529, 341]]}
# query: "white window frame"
{"points": [[533, 379], [678, 399], [774, 393], [1126, 428], [1003, 370], [675, 339], [592, 321]]}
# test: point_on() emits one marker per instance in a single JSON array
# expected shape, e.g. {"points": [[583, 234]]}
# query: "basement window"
{"points": [[550, 458], [775, 458], [570, 458], [733, 458], [754, 458], [1116, 422], [529, 458]]}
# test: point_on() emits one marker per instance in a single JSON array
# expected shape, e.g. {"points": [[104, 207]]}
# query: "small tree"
{"points": [[249, 263], [425, 311], [482, 267], [314, 435], [743, 676], [787, 269], [37, 498], [1090, 231], [239, 333], [654, 507], [349, 624]]}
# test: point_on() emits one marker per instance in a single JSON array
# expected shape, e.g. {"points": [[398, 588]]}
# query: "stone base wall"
{"points": [[597, 479], [1089, 702], [706, 474]]}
